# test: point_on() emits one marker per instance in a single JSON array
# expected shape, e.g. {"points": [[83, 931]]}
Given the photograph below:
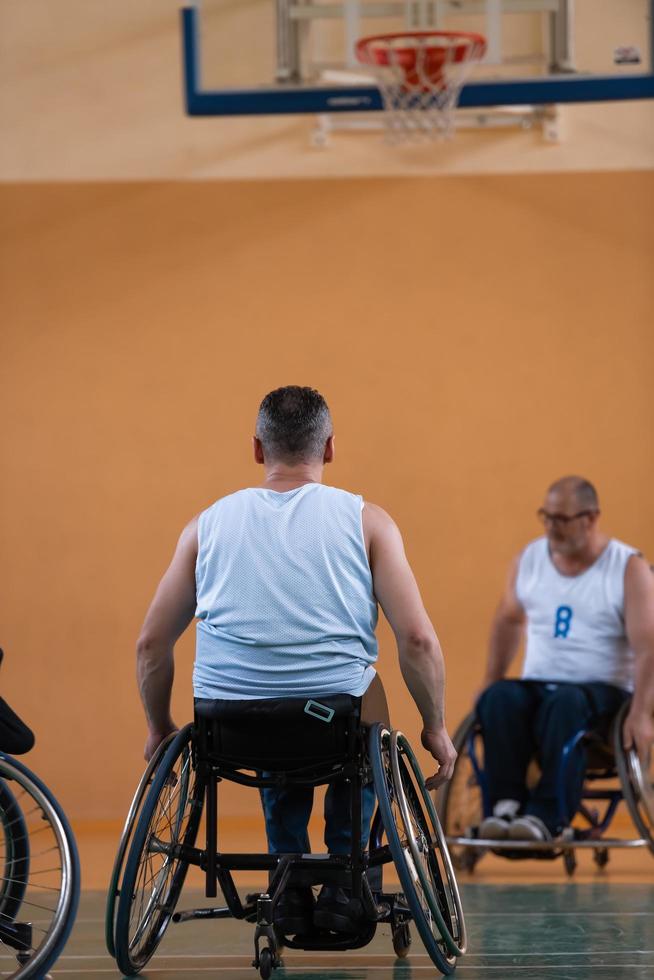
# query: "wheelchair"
{"points": [[40, 878], [276, 742], [463, 802]]}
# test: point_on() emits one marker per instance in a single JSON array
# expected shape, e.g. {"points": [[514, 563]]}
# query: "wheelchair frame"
{"points": [[26, 887], [185, 774], [625, 764]]}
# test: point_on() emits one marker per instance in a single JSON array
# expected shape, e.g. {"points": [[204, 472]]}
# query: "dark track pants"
{"points": [[521, 720]]}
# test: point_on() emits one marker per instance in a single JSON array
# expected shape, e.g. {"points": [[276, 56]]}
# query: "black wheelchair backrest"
{"points": [[278, 734]]}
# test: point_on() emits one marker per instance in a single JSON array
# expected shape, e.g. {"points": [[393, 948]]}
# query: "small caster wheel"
{"points": [[402, 940], [265, 963], [465, 860], [601, 857], [570, 862]]}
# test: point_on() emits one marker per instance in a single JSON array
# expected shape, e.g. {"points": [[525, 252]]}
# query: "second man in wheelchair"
{"points": [[586, 602], [284, 579]]}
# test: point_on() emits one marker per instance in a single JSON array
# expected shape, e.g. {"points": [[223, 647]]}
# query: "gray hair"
{"points": [[293, 424]]}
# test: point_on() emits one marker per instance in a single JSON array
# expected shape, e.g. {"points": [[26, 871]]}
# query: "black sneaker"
{"points": [[294, 911], [337, 911]]}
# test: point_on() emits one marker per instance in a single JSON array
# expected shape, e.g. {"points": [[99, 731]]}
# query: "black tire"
{"points": [[395, 796], [125, 841], [44, 906], [637, 781], [154, 874], [265, 963], [459, 801], [570, 862], [402, 941]]}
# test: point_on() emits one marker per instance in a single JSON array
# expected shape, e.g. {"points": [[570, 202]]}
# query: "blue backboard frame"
{"points": [[290, 99]]}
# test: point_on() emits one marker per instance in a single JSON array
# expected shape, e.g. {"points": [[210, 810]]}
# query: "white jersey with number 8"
{"points": [[575, 623]]}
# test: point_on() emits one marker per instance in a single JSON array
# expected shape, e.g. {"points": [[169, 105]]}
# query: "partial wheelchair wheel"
{"points": [[15, 851], [570, 862], [154, 870], [637, 781], [459, 801], [115, 883], [402, 940], [39, 902], [418, 847], [265, 963]]}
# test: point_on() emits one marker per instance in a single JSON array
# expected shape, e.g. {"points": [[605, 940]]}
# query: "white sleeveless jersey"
{"points": [[575, 623], [285, 600]]}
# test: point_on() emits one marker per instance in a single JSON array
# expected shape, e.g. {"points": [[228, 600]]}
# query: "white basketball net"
{"points": [[420, 76]]}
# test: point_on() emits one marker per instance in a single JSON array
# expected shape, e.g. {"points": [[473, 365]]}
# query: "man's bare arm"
{"points": [[506, 631], [170, 612], [639, 622], [420, 656]]}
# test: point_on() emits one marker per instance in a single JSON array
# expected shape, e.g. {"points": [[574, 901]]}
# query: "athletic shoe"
{"points": [[337, 911], [294, 911], [528, 828], [494, 828]]}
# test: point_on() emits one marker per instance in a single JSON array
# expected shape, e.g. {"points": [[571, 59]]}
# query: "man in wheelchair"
{"points": [[284, 579], [586, 602]]}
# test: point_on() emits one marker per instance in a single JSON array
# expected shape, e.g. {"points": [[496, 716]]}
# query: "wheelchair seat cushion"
{"points": [[15, 737], [278, 734]]}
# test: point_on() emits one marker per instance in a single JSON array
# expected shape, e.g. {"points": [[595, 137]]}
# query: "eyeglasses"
{"points": [[561, 520]]}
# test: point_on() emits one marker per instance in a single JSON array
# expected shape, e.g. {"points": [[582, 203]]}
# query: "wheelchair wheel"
{"points": [[418, 848], [637, 781], [459, 801], [39, 903], [154, 871], [125, 840]]}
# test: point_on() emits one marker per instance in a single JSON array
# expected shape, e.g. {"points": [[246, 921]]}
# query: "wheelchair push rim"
{"points": [[459, 801], [115, 882], [50, 883], [426, 916], [637, 782], [154, 873], [427, 843]]}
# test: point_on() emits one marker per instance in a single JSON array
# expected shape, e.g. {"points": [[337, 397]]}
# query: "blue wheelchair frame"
{"points": [[612, 797], [607, 760]]}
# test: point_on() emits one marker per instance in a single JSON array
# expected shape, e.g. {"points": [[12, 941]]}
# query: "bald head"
{"points": [[580, 489]]}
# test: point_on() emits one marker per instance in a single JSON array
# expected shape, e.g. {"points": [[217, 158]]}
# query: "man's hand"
{"points": [[440, 746], [154, 740], [638, 731]]}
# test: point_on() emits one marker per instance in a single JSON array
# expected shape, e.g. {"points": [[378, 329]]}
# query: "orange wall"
{"points": [[475, 337]]}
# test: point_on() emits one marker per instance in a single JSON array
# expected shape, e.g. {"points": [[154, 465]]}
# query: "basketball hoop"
{"points": [[420, 75]]}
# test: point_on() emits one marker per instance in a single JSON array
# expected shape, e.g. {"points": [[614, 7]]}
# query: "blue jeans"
{"points": [[522, 720], [287, 810]]}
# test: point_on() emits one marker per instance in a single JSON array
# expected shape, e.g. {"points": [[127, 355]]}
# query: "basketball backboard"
{"points": [[297, 56]]}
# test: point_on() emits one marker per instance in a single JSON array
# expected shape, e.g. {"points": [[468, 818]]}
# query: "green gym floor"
{"points": [[554, 931]]}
